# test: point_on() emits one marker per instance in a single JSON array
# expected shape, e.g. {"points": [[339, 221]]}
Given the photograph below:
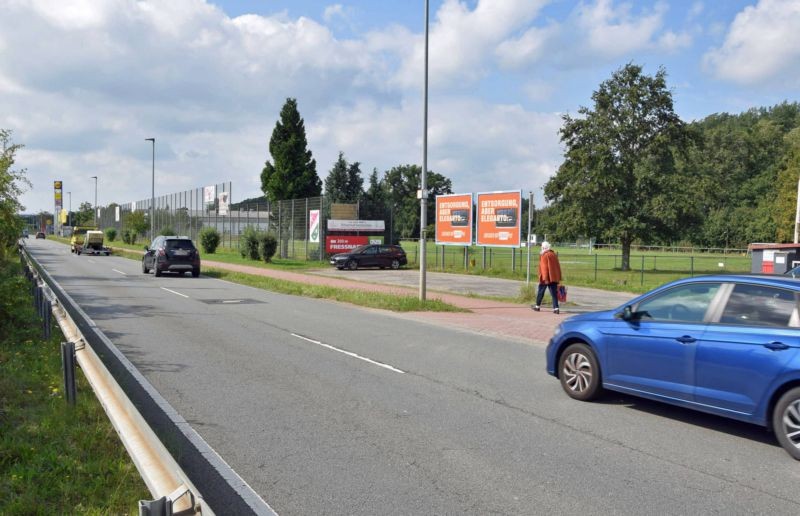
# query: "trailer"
{"points": [[92, 244]]}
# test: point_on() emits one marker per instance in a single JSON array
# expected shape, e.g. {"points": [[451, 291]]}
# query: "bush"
{"points": [[167, 231], [249, 243], [267, 245], [209, 240], [111, 234], [129, 236]]}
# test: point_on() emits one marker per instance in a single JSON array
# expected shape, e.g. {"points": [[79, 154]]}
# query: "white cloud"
{"points": [[494, 147], [461, 40], [614, 31], [83, 86], [761, 45], [528, 48]]}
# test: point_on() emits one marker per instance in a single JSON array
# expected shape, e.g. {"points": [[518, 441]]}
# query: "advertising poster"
{"points": [[499, 215], [342, 244], [313, 226], [208, 194], [222, 205], [58, 199], [454, 219]]}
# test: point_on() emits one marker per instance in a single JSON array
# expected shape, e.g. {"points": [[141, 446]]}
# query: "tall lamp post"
{"points": [[152, 191], [423, 192], [69, 213], [95, 200]]}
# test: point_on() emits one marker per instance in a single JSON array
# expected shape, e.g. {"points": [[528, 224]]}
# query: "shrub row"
{"points": [[257, 245]]}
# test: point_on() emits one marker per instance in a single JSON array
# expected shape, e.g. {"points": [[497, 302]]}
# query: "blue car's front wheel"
{"points": [[579, 372]]}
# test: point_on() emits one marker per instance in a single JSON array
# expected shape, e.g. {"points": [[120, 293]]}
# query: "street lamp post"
{"points": [[69, 213], [95, 200], [423, 192], [152, 191]]}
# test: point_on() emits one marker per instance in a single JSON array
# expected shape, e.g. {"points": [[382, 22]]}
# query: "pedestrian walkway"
{"points": [[489, 317]]}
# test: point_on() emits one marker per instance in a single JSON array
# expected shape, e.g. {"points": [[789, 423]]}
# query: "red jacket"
{"points": [[549, 268]]}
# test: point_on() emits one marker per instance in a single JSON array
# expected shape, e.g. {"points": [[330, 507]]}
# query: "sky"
{"points": [[84, 82]]}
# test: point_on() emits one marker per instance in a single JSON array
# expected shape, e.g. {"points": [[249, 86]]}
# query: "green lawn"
{"points": [[599, 269], [54, 459]]}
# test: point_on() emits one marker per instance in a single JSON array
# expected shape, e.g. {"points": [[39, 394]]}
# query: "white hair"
{"points": [[545, 246]]}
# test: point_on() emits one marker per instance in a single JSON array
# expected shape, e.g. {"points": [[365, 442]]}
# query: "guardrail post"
{"points": [[68, 366], [46, 326]]}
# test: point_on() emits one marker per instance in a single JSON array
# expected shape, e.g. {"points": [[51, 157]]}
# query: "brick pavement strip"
{"points": [[495, 318]]}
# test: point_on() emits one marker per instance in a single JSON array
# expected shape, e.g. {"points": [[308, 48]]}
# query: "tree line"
{"points": [[633, 173]]}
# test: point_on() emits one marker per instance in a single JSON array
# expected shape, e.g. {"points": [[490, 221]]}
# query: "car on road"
{"points": [[24, 233], [727, 345], [171, 254], [41, 234], [373, 255]]}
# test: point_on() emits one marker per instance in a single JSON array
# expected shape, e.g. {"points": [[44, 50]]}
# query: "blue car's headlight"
{"points": [[559, 329]]}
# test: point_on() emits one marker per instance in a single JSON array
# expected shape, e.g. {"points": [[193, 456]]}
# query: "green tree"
{"points": [[12, 183], [294, 173], [84, 216], [619, 180], [344, 182], [136, 223], [373, 202], [784, 209], [401, 184]]}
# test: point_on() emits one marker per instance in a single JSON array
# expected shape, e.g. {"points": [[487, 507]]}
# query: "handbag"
{"points": [[561, 293]]}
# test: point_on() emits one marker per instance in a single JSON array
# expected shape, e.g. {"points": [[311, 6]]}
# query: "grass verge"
{"points": [[394, 302], [54, 459]]}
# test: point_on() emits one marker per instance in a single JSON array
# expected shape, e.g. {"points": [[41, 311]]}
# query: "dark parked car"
{"points": [[171, 254], [41, 234], [726, 345], [374, 255]]}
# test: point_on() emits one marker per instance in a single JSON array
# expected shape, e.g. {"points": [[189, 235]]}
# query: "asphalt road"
{"points": [[324, 408]]}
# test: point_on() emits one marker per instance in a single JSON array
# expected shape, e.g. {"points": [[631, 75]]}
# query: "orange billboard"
{"points": [[454, 219], [499, 218]]}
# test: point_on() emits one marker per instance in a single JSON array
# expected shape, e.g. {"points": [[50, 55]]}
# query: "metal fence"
{"points": [[188, 212], [597, 266]]}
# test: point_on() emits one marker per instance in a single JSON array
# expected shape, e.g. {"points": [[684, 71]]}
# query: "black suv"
{"points": [[171, 254]]}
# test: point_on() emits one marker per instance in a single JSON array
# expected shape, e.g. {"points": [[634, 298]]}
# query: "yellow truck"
{"points": [[88, 240]]}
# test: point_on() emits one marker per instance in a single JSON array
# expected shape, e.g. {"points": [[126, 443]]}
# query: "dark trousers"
{"points": [[553, 293]]}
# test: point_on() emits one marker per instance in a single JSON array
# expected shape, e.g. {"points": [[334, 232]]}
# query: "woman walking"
{"points": [[549, 276]]}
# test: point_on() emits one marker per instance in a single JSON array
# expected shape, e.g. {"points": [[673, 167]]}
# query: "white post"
{"points": [[797, 214]]}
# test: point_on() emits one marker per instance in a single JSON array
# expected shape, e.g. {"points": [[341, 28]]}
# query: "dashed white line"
{"points": [[176, 293], [123, 273], [348, 353]]}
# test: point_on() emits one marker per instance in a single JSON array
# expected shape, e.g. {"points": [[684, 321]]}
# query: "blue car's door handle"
{"points": [[776, 346], [686, 339]]}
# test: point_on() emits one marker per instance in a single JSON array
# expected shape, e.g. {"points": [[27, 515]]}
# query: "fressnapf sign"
{"points": [[454, 219], [499, 218], [342, 244]]}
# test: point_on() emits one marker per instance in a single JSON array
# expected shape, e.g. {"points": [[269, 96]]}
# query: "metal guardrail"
{"points": [[144, 420]]}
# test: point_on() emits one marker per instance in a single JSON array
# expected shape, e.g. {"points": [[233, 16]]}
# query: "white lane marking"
{"points": [[123, 273], [176, 293], [231, 300], [91, 261], [348, 353]]}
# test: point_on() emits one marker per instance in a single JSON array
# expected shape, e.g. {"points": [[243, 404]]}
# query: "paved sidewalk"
{"points": [[495, 318]]}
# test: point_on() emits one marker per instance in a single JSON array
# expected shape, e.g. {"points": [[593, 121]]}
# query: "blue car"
{"points": [[726, 345]]}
